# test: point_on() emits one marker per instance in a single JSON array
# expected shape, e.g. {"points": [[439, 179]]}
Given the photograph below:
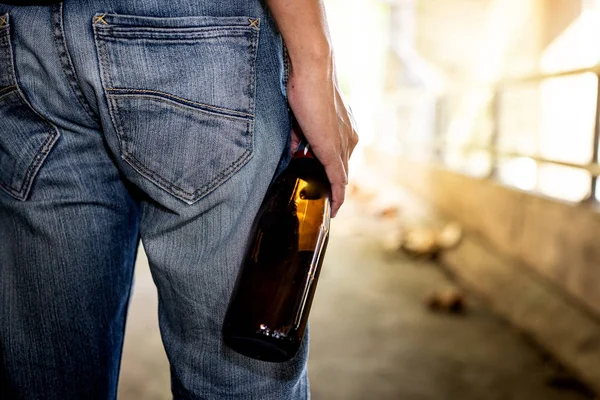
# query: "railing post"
{"points": [[496, 112], [596, 142]]}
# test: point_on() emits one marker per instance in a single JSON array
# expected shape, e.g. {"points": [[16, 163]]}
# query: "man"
{"points": [[165, 121]]}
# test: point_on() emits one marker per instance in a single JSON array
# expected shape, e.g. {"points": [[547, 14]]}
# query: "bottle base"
{"points": [[262, 348]]}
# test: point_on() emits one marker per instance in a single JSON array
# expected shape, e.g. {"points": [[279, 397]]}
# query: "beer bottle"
{"points": [[269, 308]]}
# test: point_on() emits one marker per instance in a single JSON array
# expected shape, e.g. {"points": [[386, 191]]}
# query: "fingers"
{"points": [[338, 196], [295, 140], [326, 122], [338, 178]]}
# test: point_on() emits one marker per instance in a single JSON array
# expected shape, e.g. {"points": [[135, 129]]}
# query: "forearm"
{"points": [[303, 25], [313, 93]]}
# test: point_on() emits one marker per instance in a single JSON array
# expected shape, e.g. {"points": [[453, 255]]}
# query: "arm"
{"points": [[313, 92]]}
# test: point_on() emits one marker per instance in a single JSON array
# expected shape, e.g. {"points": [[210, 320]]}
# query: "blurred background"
{"points": [[465, 264]]}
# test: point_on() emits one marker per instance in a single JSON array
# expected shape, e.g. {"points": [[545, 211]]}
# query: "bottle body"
{"points": [[269, 308]]}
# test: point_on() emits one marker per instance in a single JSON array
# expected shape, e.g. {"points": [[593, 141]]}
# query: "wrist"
{"points": [[311, 60]]}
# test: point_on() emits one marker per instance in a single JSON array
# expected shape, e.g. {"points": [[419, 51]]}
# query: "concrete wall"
{"points": [[558, 241]]}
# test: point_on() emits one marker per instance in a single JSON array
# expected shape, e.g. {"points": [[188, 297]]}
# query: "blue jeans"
{"points": [[124, 120]]}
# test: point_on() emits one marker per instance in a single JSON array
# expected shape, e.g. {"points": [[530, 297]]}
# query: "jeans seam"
{"points": [[253, 54], [5, 43], [106, 80], [286, 66], [129, 292], [252, 84], [66, 61], [5, 91]]}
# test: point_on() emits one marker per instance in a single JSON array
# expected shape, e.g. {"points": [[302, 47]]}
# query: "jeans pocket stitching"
{"points": [[184, 24], [166, 184], [176, 101], [169, 34], [171, 187]]}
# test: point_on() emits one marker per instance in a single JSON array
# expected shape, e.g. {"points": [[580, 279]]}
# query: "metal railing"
{"points": [[492, 147]]}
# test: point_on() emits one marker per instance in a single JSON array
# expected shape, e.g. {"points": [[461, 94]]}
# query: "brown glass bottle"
{"points": [[269, 307]]}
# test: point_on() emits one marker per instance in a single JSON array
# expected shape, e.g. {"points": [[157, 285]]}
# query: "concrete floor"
{"points": [[372, 337]]}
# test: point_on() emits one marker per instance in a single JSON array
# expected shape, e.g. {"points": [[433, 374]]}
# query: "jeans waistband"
{"points": [[30, 2]]}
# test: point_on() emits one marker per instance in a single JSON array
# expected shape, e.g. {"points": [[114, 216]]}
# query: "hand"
{"points": [[326, 122]]}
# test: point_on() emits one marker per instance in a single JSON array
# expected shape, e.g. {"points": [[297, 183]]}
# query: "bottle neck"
{"points": [[303, 151], [306, 164]]}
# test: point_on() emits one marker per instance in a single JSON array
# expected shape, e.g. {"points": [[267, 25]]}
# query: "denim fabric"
{"points": [[123, 120]]}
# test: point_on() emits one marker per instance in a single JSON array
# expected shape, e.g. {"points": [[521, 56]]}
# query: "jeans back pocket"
{"points": [[25, 137], [180, 93]]}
